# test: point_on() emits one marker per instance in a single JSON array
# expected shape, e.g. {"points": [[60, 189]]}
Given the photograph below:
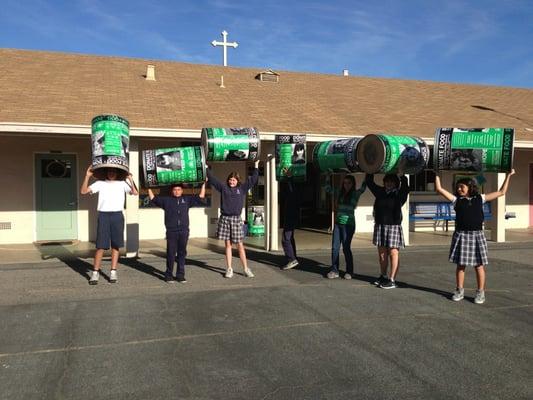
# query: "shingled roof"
{"points": [[60, 88]]}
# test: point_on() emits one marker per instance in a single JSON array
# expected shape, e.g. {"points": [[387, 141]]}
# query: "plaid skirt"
{"points": [[390, 236], [230, 228], [469, 248]]}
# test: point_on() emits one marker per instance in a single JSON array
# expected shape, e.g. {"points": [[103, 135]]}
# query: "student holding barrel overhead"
{"points": [[346, 200], [292, 199], [176, 208], [110, 228], [388, 234], [232, 195], [469, 245]]}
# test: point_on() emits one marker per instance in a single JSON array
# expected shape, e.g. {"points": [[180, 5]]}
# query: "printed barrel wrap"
{"points": [[474, 149], [291, 157], [382, 154], [231, 144], [337, 155], [110, 139], [167, 166], [256, 220]]}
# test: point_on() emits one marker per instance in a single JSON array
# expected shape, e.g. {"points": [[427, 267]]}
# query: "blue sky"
{"points": [[478, 41]]}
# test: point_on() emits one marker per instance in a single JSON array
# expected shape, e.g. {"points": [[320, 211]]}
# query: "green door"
{"points": [[56, 197]]}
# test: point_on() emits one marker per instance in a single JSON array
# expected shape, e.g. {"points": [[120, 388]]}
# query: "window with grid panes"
{"points": [[424, 181]]}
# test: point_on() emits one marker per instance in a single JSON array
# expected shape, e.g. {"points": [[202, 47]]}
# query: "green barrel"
{"points": [[337, 155], [475, 149], [163, 167], [381, 154], [231, 144], [291, 157], [110, 137], [256, 220]]}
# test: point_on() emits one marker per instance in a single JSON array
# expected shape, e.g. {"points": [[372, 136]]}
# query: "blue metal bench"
{"points": [[439, 211], [430, 211]]}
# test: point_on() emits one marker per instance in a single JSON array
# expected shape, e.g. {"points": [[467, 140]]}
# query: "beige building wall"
{"points": [[17, 203]]}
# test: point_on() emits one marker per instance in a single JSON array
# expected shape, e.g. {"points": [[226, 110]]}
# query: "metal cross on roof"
{"points": [[225, 44]]}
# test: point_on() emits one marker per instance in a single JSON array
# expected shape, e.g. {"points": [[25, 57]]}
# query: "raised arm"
{"points": [[213, 180], [202, 191], [361, 189], [404, 188], [85, 185], [503, 189], [443, 192], [375, 189], [252, 179], [132, 185], [155, 200], [198, 200]]}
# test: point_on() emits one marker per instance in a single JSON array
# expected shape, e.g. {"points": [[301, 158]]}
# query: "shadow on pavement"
{"points": [[143, 267], [67, 257]]}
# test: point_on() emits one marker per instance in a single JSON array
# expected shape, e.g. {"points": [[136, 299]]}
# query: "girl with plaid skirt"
{"points": [[229, 229], [469, 246], [388, 234]]}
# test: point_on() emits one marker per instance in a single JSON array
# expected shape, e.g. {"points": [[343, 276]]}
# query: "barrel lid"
{"points": [[371, 154]]}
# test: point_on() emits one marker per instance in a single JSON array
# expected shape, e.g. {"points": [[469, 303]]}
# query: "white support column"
{"points": [[268, 210], [132, 204], [274, 215], [498, 212], [405, 219]]}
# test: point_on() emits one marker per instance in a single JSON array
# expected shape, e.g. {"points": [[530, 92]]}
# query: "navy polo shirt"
{"points": [[177, 210]]}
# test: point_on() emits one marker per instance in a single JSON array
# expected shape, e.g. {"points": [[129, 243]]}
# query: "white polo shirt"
{"points": [[111, 194]]}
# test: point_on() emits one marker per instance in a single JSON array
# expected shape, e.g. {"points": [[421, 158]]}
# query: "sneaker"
{"points": [[248, 272], [229, 273], [291, 264], [332, 275], [93, 280], [169, 279], [389, 284], [181, 279], [380, 280], [348, 276], [459, 294], [113, 276], [480, 297]]}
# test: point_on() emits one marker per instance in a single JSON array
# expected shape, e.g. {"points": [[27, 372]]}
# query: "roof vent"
{"points": [[268, 76], [345, 72], [150, 73]]}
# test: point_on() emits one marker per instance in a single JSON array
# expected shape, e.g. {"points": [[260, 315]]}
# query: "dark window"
{"points": [[55, 168]]}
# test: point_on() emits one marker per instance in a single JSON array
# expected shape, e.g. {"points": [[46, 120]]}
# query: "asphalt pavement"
{"points": [[281, 335]]}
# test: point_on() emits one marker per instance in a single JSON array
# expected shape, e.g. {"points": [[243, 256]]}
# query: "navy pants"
{"points": [[288, 244], [176, 251], [342, 234]]}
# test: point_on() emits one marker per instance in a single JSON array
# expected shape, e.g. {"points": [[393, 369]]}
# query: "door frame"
{"points": [[34, 186], [530, 194]]}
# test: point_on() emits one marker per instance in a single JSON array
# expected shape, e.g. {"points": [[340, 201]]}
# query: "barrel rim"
{"points": [[122, 119]]}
